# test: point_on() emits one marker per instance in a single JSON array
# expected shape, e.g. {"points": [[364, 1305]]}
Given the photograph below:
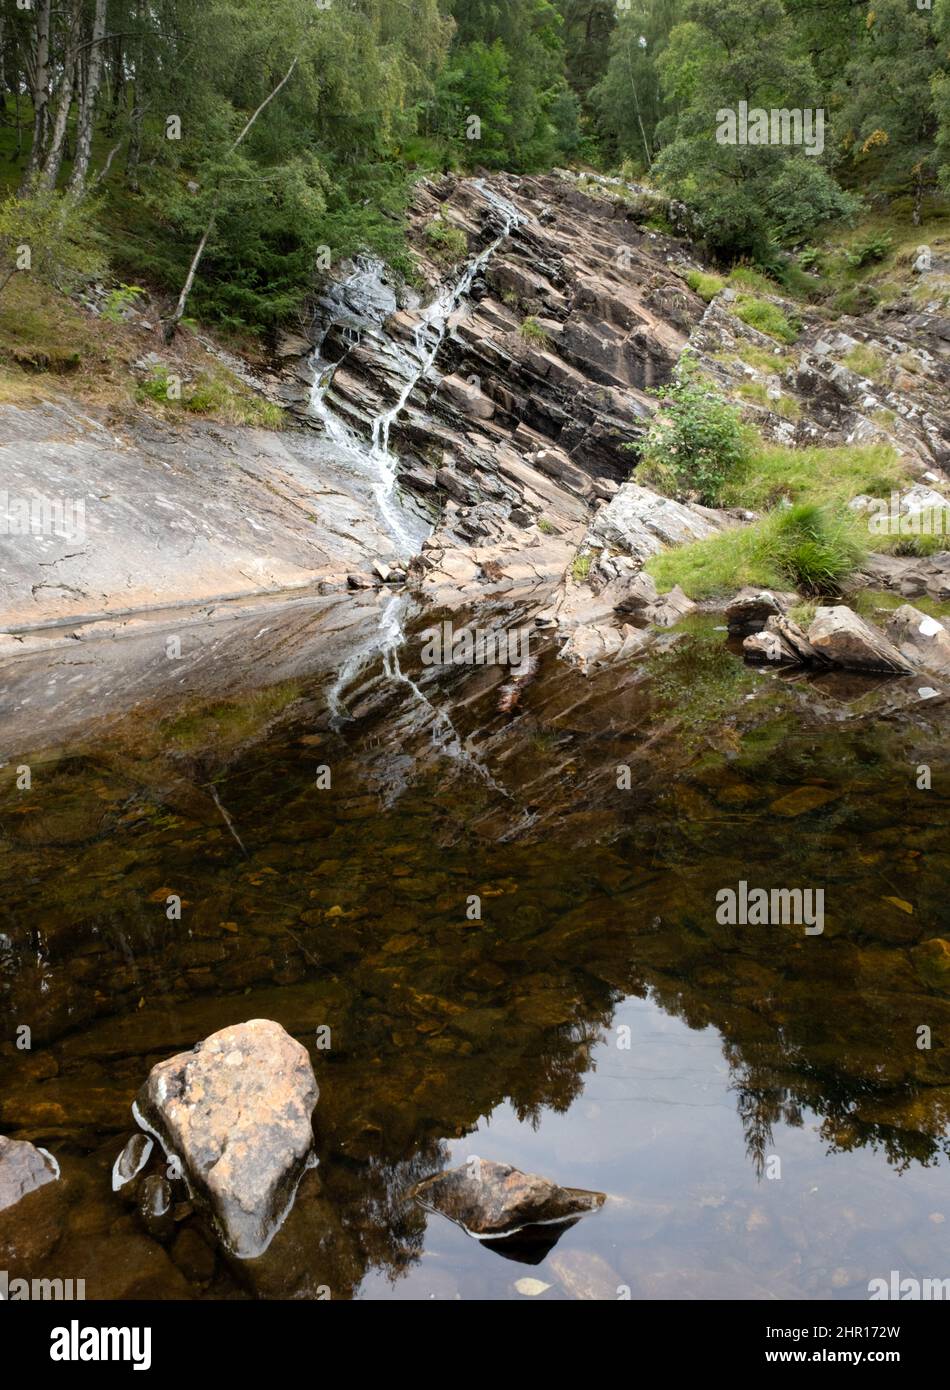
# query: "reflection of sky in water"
{"points": [[656, 1128]]}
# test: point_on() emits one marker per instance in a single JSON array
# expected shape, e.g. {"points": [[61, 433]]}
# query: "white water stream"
{"points": [[362, 302]]}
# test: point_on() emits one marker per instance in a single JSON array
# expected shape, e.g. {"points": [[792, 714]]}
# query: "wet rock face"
{"points": [[23, 1169], [236, 1111], [494, 1199]]}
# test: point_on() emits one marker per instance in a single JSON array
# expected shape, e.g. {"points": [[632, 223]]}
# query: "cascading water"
{"points": [[361, 303]]}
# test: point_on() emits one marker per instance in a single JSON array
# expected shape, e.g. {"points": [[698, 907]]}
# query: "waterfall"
{"points": [[361, 303]]}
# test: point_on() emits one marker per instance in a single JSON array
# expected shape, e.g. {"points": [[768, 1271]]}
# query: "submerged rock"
{"points": [[492, 1200], [783, 642], [931, 960], [847, 640], [23, 1168], [236, 1111], [156, 1207]]}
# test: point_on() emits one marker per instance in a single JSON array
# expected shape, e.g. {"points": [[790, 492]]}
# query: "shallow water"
{"points": [[772, 1129]]}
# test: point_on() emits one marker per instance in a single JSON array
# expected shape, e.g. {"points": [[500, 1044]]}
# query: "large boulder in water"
{"points": [[23, 1169], [844, 639], [236, 1111]]}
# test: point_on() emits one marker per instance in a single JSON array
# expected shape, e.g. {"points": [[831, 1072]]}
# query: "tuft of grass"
{"points": [[216, 393], [757, 392], [580, 567], [767, 318], [532, 332], [808, 547], [745, 277], [447, 244], [705, 284], [758, 358]]}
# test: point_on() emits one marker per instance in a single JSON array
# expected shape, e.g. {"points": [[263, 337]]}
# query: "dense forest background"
{"points": [[124, 123]]}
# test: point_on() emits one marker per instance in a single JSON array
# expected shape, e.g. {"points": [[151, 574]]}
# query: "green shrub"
{"points": [[580, 567], [767, 318], [117, 301], [870, 248], [696, 441], [61, 238]]}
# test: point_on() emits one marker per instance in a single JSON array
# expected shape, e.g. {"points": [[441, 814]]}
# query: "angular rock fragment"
{"points": [[846, 640], [236, 1111], [750, 610], [767, 647], [493, 1200], [641, 523], [130, 1164]]}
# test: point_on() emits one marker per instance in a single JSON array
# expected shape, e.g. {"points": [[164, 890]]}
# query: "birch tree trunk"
{"points": [[87, 109], [40, 86], [54, 155]]}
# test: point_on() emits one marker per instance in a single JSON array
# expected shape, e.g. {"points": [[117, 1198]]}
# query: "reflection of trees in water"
{"points": [[762, 1102]]}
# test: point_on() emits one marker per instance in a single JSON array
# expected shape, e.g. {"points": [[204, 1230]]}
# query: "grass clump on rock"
{"points": [[448, 244], [768, 318], [805, 546]]}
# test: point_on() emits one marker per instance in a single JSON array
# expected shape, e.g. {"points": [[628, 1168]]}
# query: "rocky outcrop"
{"points": [[23, 1169], [912, 576], [883, 380], [167, 514], [236, 1112], [491, 1200], [640, 522]]}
